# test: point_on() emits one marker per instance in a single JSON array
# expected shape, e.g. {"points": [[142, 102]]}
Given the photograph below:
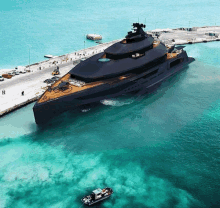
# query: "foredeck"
{"points": [[56, 93], [70, 89]]}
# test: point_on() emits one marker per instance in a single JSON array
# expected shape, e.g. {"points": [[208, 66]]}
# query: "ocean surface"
{"points": [[161, 150]]}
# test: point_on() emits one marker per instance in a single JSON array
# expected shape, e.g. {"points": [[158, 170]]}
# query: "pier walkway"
{"points": [[187, 35]]}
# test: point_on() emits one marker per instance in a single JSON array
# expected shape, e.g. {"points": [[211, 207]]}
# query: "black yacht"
{"points": [[138, 61], [97, 196]]}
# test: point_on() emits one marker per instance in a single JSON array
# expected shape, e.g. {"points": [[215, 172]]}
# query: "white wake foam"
{"points": [[116, 102], [86, 110]]}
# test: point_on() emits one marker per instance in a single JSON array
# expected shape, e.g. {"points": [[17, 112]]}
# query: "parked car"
{"points": [[21, 69], [8, 76], [55, 78], [16, 72], [48, 81], [1, 78], [56, 72], [82, 59], [11, 73]]}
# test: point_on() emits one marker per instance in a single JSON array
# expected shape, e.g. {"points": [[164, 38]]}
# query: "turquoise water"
{"points": [[60, 27], [159, 151]]}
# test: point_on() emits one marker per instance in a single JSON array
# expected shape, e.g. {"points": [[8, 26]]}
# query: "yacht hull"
{"points": [[43, 112]]}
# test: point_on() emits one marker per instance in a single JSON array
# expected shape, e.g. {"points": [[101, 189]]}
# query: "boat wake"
{"points": [[115, 102], [86, 110]]}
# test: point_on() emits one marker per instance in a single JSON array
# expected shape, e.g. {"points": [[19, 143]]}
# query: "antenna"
{"points": [[84, 44], [29, 46]]}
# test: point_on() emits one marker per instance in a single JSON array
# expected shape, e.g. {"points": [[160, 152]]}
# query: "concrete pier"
{"points": [[32, 82], [192, 35]]}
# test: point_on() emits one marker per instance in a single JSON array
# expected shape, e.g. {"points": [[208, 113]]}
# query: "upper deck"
{"points": [[123, 47], [93, 69], [135, 41]]}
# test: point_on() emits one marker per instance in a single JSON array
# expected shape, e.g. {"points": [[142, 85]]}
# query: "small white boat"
{"points": [[48, 56], [94, 37], [97, 195]]}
